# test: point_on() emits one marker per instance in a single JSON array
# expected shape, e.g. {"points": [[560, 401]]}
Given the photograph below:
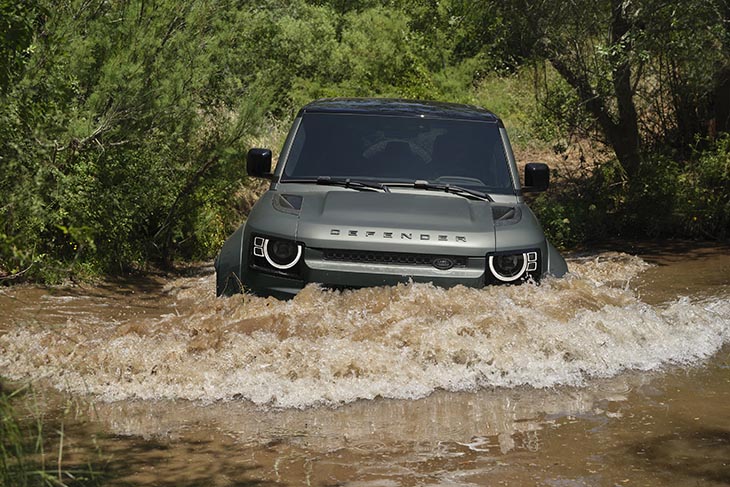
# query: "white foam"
{"points": [[326, 347]]}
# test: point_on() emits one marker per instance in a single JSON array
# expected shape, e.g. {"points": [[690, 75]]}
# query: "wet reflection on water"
{"points": [[667, 425], [658, 428]]}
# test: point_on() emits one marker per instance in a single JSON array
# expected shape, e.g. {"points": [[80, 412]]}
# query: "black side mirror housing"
{"points": [[537, 177], [258, 163]]}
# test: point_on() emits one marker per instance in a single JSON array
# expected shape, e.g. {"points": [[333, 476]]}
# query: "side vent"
{"points": [[506, 215]]}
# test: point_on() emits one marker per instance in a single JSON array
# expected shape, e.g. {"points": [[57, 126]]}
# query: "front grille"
{"points": [[389, 258]]}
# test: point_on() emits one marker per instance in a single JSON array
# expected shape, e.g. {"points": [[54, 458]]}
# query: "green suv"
{"points": [[372, 192]]}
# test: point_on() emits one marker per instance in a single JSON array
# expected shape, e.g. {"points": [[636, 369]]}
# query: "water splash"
{"points": [[331, 347]]}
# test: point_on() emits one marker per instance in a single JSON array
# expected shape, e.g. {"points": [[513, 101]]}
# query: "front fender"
{"points": [[228, 265], [556, 263]]}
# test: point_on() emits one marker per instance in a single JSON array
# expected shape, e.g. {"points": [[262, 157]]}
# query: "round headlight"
{"points": [[282, 254], [508, 267]]}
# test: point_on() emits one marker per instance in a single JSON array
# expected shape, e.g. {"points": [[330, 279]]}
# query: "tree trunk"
{"points": [[625, 139], [721, 102], [622, 130], [721, 94]]}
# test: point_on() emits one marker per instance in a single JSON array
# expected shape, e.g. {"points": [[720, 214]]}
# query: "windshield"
{"points": [[393, 149]]}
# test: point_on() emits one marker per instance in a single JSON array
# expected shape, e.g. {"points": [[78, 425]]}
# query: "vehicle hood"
{"points": [[396, 222]]}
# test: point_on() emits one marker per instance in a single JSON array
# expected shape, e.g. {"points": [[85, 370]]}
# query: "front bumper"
{"points": [[320, 268]]}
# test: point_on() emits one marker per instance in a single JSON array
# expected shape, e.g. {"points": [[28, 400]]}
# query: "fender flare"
{"points": [[229, 265], [556, 265]]}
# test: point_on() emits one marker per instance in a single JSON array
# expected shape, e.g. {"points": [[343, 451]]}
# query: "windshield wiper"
{"points": [[352, 184], [449, 188]]}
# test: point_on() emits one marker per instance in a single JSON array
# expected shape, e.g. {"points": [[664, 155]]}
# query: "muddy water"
{"points": [[616, 375]]}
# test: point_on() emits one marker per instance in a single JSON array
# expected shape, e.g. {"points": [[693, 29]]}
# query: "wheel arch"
{"points": [[229, 265]]}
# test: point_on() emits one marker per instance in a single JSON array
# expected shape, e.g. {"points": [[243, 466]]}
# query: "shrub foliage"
{"points": [[123, 124]]}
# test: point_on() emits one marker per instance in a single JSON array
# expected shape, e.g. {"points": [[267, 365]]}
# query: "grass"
{"points": [[32, 455]]}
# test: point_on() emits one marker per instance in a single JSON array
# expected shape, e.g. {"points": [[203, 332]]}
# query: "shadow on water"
{"points": [[664, 252], [157, 469], [681, 268], [118, 298], [130, 461], [702, 453]]}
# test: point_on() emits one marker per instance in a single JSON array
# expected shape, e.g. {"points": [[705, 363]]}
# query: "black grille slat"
{"points": [[388, 258]]}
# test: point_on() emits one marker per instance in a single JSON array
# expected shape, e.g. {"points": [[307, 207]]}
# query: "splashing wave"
{"points": [[329, 347]]}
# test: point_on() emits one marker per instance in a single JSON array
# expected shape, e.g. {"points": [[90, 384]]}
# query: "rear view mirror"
{"points": [[537, 177], [258, 163]]}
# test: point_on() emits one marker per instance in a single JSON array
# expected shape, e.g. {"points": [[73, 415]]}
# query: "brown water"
{"points": [[616, 375]]}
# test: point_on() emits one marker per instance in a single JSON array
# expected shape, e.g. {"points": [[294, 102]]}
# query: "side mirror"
{"points": [[537, 177], [258, 163]]}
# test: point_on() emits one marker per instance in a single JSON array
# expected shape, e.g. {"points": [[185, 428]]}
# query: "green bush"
{"points": [[374, 54], [512, 98], [703, 192], [125, 130], [665, 199], [583, 206]]}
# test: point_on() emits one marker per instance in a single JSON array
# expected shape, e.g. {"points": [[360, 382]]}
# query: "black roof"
{"points": [[402, 108]]}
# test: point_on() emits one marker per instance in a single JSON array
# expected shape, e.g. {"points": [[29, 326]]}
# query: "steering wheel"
{"points": [[419, 151]]}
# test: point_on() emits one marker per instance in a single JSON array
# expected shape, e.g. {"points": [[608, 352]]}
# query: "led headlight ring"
{"points": [[529, 263], [261, 249]]}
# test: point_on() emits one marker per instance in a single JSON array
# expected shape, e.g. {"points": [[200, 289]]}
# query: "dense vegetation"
{"points": [[123, 123]]}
